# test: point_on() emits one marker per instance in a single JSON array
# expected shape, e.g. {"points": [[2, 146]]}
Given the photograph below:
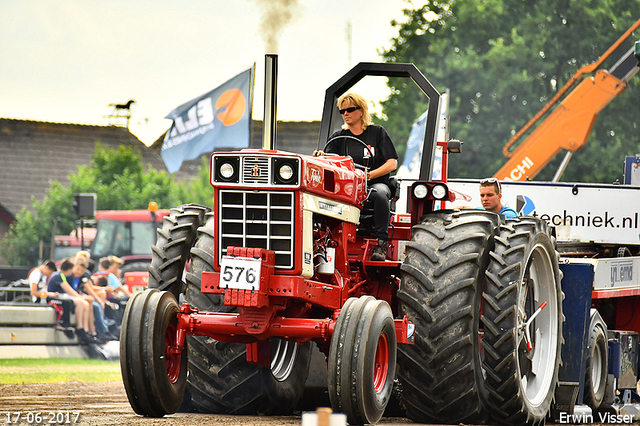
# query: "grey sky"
{"points": [[67, 60]]}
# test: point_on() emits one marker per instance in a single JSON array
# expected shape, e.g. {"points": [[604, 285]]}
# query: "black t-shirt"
{"points": [[80, 282], [376, 138]]}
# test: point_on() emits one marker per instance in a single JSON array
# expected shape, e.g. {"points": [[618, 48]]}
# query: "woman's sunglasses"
{"points": [[349, 110]]}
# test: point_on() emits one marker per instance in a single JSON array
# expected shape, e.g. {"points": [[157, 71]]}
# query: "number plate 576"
{"points": [[240, 272]]}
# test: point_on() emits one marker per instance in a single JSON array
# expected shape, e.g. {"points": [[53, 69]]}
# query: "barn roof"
{"points": [[34, 153]]}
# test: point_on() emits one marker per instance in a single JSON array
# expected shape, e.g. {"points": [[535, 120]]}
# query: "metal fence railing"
{"points": [[16, 293]]}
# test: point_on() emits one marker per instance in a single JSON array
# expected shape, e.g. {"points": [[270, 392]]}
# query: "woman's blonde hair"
{"points": [[358, 101]]}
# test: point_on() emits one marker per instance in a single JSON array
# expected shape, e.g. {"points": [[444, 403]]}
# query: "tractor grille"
{"points": [[256, 170], [258, 219]]}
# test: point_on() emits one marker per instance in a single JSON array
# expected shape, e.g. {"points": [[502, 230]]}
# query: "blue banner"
{"points": [[410, 168], [220, 118]]}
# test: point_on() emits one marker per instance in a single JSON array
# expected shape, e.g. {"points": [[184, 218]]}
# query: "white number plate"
{"points": [[240, 272]]}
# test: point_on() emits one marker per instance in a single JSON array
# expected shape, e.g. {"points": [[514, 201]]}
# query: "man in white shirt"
{"points": [[38, 279]]}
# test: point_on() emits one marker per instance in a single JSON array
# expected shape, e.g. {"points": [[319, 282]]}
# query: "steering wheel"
{"points": [[355, 139]]}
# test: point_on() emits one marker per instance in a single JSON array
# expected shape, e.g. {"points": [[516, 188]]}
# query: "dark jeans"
{"points": [[379, 201]]}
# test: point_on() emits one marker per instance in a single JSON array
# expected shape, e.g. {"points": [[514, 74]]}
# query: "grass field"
{"points": [[56, 370]]}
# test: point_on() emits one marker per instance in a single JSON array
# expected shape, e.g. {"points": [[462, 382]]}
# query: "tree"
{"points": [[117, 177], [502, 61], [198, 190], [120, 181]]}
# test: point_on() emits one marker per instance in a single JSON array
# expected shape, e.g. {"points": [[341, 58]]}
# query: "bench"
{"points": [[34, 324]]}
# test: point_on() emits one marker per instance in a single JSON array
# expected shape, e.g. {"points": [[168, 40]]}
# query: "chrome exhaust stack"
{"points": [[270, 101]]}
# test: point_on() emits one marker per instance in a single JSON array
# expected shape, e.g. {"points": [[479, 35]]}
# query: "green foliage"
{"points": [[503, 60], [120, 182], [117, 177], [198, 190]]}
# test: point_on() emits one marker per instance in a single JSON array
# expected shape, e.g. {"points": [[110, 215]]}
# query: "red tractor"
{"points": [[128, 234], [66, 246], [469, 308]]}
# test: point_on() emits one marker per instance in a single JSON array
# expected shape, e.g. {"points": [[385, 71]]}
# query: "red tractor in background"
{"points": [[66, 246], [469, 308], [130, 235]]}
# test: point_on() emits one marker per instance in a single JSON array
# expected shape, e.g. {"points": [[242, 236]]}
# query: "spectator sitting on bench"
{"points": [[115, 276], [59, 283], [81, 281], [87, 258], [109, 268], [113, 306], [38, 280], [107, 281]]}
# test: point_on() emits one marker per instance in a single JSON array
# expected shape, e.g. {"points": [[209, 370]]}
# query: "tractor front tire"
{"points": [[522, 322], [154, 377], [442, 277], [362, 360], [220, 378]]}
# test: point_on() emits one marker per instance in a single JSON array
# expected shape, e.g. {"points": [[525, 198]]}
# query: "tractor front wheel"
{"points": [[362, 360], [154, 376]]}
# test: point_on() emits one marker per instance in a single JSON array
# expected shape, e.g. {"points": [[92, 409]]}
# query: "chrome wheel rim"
{"points": [[284, 354], [536, 365]]}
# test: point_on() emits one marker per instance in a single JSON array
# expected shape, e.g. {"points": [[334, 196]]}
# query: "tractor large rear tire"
{"points": [[442, 277], [220, 378], [171, 251], [523, 276]]}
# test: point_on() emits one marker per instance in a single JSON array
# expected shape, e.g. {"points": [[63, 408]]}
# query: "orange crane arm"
{"points": [[570, 123]]}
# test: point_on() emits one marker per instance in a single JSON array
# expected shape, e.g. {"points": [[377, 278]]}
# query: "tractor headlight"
{"points": [[227, 170], [439, 192], [420, 191], [286, 172]]}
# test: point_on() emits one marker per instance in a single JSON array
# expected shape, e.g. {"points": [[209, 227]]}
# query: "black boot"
{"points": [[83, 336], [105, 337], [380, 251]]}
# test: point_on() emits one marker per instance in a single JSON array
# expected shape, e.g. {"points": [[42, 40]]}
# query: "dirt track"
{"points": [[106, 404]]}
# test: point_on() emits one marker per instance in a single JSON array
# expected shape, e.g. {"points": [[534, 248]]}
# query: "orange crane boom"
{"points": [[568, 126]]}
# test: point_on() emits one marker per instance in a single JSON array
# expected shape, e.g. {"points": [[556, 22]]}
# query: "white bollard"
{"points": [[323, 417]]}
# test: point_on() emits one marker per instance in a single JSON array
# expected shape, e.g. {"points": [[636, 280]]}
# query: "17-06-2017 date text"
{"points": [[41, 417]]}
